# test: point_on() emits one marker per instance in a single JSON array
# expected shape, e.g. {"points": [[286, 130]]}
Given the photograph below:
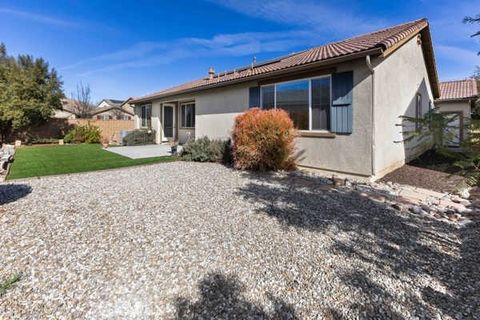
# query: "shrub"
{"points": [[206, 150], [264, 140], [83, 134], [139, 137]]}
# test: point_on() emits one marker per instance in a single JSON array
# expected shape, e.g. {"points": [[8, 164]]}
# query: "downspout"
{"points": [[368, 61]]}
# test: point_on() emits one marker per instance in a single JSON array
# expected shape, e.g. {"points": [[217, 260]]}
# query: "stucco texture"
{"points": [[398, 80]]}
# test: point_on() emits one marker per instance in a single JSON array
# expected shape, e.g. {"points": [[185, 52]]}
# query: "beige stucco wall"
{"points": [[455, 106], [216, 110], [398, 78]]}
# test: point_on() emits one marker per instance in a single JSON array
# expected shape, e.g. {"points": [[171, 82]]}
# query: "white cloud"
{"points": [[37, 17], [149, 54], [319, 16]]}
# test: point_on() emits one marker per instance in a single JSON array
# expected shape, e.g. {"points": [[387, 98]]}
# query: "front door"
{"points": [[168, 123]]}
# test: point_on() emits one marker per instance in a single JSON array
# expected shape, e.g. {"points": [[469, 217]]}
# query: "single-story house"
{"points": [[345, 98], [458, 99], [110, 109]]}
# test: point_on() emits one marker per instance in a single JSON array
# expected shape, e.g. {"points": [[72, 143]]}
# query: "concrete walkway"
{"points": [[139, 152]]}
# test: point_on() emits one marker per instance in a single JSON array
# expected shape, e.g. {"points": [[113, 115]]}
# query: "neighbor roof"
{"points": [[459, 90], [373, 43], [113, 101], [122, 106], [68, 105]]}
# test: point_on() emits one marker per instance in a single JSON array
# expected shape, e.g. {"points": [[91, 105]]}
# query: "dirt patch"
{"points": [[424, 178]]}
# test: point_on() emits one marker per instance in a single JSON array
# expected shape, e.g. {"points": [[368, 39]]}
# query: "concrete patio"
{"points": [[141, 152]]}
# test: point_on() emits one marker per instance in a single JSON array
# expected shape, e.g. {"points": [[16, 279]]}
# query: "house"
{"points": [[67, 111], [109, 103], [110, 109], [346, 99], [458, 99]]}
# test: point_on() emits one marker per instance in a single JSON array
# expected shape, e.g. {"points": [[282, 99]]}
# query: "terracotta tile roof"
{"points": [[380, 40], [458, 90]]}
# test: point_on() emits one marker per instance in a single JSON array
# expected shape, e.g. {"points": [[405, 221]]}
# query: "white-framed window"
{"points": [[146, 116], [306, 100], [188, 115]]}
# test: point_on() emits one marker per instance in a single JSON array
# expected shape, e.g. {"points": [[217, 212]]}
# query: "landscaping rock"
{"points": [[202, 241]]}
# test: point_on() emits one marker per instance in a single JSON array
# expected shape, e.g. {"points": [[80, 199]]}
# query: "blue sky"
{"points": [[128, 48]]}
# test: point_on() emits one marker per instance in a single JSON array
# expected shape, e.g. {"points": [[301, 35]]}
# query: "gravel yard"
{"points": [[200, 241]]}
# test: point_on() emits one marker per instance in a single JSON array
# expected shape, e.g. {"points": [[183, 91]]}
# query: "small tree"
{"points": [[436, 130], [29, 92], [83, 106], [469, 160], [264, 140]]}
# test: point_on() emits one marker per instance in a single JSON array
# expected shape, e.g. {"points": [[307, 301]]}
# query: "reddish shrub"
{"points": [[264, 140]]}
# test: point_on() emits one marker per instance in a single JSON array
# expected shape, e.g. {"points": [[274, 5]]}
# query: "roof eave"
{"points": [[474, 98], [327, 62]]}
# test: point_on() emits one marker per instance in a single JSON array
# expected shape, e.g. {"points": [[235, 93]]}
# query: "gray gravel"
{"points": [[201, 241]]}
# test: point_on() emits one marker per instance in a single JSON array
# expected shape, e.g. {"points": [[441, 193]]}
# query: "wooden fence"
{"points": [[110, 128], [57, 128]]}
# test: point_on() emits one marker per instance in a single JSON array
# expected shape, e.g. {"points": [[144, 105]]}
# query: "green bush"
{"points": [[206, 150], [139, 137], [83, 134]]}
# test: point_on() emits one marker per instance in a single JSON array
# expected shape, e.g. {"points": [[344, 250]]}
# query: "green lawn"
{"points": [[50, 160]]}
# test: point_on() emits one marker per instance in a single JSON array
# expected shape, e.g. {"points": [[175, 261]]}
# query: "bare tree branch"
{"points": [[83, 105], [475, 19]]}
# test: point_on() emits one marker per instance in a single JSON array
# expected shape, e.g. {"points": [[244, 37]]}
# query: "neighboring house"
{"points": [[67, 111], [109, 109], [458, 99], [110, 103], [346, 99]]}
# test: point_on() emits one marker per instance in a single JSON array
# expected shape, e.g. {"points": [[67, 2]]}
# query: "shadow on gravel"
{"points": [[13, 192], [394, 244], [221, 298]]}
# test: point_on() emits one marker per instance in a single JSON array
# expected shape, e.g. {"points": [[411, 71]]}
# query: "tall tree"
{"points": [[83, 105], [29, 92]]}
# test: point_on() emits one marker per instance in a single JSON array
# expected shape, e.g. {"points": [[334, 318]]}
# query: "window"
{"points": [[188, 115], [321, 104], [268, 97], [99, 117], [146, 116], [307, 101], [418, 111], [293, 98]]}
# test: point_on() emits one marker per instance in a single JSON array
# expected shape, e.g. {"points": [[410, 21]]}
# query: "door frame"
{"points": [[174, 121]]}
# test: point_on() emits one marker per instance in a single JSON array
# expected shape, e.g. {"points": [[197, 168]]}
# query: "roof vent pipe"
{"points": [[211, 73]]}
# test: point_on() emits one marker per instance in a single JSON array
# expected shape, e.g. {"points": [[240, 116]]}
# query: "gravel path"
{"points": [[201, 241]]}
